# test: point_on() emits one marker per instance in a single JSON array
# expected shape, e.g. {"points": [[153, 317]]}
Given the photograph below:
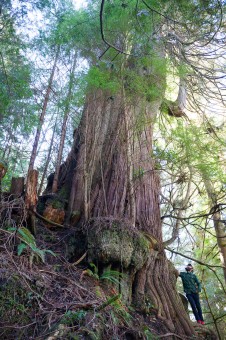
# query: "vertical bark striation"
{"points": [[101, 170], [109, 169]]}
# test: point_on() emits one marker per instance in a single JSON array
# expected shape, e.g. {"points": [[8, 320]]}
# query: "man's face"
{"points": [[189, 268]]}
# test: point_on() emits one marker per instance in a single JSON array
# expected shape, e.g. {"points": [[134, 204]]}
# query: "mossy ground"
{"points": [[61, 300]]}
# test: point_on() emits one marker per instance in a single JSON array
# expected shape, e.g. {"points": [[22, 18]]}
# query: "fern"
{"points": [[113, 276], [21, 247], [28, 241], [27, 236]]}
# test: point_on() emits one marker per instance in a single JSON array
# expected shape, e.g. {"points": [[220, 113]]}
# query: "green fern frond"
{"points": [[21, 248], [27, 236], [113, 276]]}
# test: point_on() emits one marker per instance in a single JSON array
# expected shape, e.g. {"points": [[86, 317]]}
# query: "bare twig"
{"points": [[195, 260]]}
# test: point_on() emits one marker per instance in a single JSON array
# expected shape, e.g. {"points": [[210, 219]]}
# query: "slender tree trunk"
{"points": [[218, 225], [8, 145], [47, 160], [63, 129], [43, 112]]}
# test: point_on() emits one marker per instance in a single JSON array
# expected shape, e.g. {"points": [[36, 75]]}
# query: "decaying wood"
{"points": [[177, 108], [17, 186], [31, 199], [3, 169], [56, 215], [48, 221]]}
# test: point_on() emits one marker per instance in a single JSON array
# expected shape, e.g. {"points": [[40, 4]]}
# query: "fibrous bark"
{"points": [[115, 137], [17, 186], [31, 199]]}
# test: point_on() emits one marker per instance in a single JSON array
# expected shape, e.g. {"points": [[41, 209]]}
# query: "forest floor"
{"points": [[61, 299]]}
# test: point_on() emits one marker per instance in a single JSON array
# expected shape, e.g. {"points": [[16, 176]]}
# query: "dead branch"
{"points": [[192, 259]]}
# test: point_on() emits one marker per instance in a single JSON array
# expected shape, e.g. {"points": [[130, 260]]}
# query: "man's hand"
{"points": [[177, 273]]}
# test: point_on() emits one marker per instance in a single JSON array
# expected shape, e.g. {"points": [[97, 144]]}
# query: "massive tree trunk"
{"points": [[111, 176], [111, 164]]}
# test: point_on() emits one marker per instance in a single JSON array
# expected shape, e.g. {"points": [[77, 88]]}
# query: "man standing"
{"points": [[192, 287]]}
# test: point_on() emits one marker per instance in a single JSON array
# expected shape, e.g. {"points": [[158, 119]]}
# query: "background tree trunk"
{"points": [[63, 128], [47, 160], [43, 112], [219, 226], [17, 186]]}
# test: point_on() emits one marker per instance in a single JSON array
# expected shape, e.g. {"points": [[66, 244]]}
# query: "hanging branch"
{"points": [[192, 259], [102, 32], [184, 205]]}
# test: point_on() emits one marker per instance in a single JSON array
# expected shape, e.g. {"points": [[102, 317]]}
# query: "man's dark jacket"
{"points": [[190, 282]]}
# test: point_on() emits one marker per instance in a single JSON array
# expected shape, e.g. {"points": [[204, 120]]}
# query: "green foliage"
{"points": [[138, 173], [139, 78], [71, 318], [13, 305], [101, 78], [14, 69], [119, 312], [17, 110], [191, 145], [21, 247], [148, 334], [28, 242], [93, 272], [112, 276]]}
